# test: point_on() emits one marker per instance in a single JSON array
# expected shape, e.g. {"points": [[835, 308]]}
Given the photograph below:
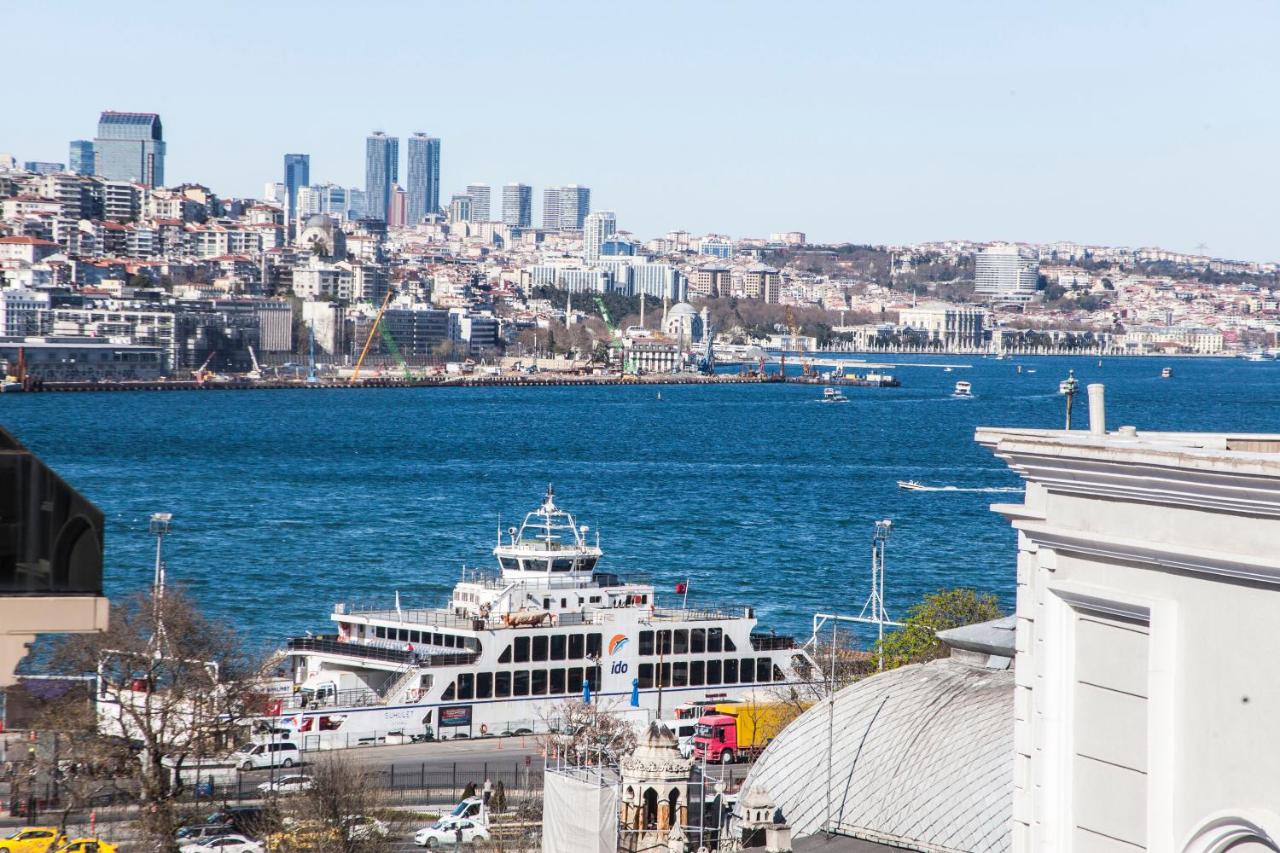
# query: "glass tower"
{"points": [[517, 205], [381, 170], [80, 158], [297, 174], [422, 162], [130, 147]]}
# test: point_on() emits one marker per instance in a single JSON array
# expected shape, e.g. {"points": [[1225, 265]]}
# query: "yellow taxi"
{"points": [[33, 839], [86, 845]]}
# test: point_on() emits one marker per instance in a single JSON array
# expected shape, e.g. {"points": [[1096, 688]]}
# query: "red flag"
{"points": [[682, 588]]}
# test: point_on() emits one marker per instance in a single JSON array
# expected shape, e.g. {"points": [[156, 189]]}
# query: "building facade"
{"points": [[517, 205], [297, 174], [130, 147], [1008, 274], [422, 187], [80, 157], [480, 198], [381, 170], [956, 327], [596, 227]]}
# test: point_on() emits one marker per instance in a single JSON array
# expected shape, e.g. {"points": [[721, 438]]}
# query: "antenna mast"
{"points": [[873, 611]]}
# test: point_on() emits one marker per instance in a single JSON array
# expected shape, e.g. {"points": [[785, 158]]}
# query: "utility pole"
{"points": [[1069, 386]]}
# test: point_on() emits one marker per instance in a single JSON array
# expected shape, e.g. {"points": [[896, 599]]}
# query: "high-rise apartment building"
{"points": [[565, 208], [399, 202], [297, 174], [130, 147], [80, 156], [1006, 273], [381, 170], [596, 228], [460, 208], [480, 196], [517, 205], [422, 166]]}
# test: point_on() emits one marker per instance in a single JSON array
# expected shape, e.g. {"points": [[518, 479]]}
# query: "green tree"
{"points": [[917, 640]]}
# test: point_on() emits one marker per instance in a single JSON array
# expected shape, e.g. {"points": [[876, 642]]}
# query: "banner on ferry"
{"points": [[455, 715]]}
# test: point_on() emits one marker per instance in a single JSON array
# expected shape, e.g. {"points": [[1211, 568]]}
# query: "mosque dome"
{"points": [[921, 757]]}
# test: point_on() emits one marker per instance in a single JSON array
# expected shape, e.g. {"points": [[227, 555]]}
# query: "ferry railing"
{"points": [[772, 642], [379, 653]]}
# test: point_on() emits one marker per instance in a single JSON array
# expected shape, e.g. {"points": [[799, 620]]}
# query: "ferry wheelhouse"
{"points": [[512, 645]]}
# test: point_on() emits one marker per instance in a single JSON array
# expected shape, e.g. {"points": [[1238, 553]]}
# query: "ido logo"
{"points": [[619, 667]]}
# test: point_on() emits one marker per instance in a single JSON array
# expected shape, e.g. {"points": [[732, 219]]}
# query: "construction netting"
{"points": [[579, 812]]}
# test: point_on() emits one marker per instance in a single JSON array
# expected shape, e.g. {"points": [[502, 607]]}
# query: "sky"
{"points": [[1137, 124]]}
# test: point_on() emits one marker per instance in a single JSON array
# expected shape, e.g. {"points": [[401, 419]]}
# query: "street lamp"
{"points": [[1069, 387]]}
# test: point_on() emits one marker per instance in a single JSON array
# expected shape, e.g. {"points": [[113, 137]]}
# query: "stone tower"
{"points": [[655, 793], [762, 824]]}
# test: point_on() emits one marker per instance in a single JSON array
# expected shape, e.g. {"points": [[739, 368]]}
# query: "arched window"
{"points": [[673, 807], [650, 808]]}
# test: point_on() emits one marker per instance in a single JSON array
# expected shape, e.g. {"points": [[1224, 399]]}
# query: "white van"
{"points": [[684, 731], [278, 754]]}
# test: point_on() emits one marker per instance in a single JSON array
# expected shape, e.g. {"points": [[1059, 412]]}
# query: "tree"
{"points": [[587, 734], [172, 684], [917, 641], [333, 814]]}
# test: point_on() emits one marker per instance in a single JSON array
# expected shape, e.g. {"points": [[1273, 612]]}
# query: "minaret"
{"points": [[655, 793], [642, 310], [663, 327]]}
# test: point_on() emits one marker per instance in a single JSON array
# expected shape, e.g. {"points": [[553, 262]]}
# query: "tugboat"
{"points": [[512, 645], [963, 390]]}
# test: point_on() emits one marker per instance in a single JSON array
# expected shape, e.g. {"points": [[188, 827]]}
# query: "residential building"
{"points": [[399, 200], [565, 208], [41, 167], [596, 228], [460, 208], [1006, 274], [422, 163], [716, 246], [760, 281], [80, 157], [710, 281], [381, 170], [517, 205], [1147, 587], [480, 197], [130, 147], [551, 209], [20, 311], [297, 174]]}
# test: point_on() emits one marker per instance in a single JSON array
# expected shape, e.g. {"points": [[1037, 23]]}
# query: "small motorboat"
{"points": [[963, 390], [1167, 373], [946, 370], [910, 486], [831, 395]]}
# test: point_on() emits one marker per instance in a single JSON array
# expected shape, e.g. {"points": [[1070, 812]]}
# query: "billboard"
{"points": [[455, 715]]}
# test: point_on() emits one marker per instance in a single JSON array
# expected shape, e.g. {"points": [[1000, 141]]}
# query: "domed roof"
{"points": [[680, 309], [922, 754], [318, 220]]}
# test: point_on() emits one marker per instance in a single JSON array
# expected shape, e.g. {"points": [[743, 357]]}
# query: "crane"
{"points": [[390, 343], [201, 373], [373, 330], [256, 373]]}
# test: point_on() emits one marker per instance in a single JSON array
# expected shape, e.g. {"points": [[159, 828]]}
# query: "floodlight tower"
{"points": [[873, 611]]}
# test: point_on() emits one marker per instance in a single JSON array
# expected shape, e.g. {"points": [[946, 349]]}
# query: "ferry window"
{"points": [[664, 642], [522, 649], [593, 678], [449, 692], [728, 644], [696, 676], [595, 599], [509, 563], [681, 642], [484, 685], [505, 657], [539, 682], [380, 632], [666, 675], [575, 647], [680, 674], [731, 672], [557, 681], [415, 637], [646, 642], [646, 676], [747, 672], [404, 635], [502, 684], [575, 679], [763, 672], [713, 672], [644, 599], [698, 640], [451, 641], [561, 565], [520, 683], [715, 639], [540, 647], [564, 602], [777, 673], [466, 686], [546, 604], [593, 645], [557, 646], [436, 640]]}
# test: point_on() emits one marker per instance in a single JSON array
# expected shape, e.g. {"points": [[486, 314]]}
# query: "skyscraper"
{"points": [[596, 228], [381, 170], [297, 174], [480, 197], [1006, 273], [130, 147], [422, 162], [517, 205], [575, 204], [551, 208], [460, 208], [80, 158]]}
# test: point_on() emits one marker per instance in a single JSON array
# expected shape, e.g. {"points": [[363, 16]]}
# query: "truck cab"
{"points": [[716, 739]]}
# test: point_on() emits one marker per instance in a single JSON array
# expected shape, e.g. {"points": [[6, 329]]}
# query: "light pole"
{"points": [[1069, 386], [159, 528]]}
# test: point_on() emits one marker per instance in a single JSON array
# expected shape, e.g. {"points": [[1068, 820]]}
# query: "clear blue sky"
{"points": [[1118, 123]]}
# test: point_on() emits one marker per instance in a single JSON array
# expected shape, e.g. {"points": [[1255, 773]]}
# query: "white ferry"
{"points": [[963, 389], [513, 645]]}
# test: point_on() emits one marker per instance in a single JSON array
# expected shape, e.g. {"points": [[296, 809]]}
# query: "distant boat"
{"points": [[1167, 373], [831, 395], [946, 370], [911, 486], [963, 390], [1031, 370]]}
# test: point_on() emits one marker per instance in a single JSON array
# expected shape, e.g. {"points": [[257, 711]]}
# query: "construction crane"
{"points": [[256, 373], [202, 372], [390, 343], [373, 330], [629, 366]]}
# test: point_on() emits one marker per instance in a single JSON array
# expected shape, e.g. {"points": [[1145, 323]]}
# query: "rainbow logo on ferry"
{"points": [[618, 641]]}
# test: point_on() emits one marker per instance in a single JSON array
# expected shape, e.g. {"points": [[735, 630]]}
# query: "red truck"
{"points": [[739, 731]]}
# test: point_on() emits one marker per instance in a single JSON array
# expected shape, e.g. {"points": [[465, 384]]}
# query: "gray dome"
{"points": [[318, 220], [922, 756], [680, 309]]}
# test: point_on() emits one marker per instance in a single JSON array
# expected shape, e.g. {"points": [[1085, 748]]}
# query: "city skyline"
{"points": [[1141, 126]]}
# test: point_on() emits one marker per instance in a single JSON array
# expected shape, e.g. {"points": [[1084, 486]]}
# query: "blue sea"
{"points": [[285, 502]]}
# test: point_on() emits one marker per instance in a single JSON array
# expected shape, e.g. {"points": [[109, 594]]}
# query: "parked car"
{"points": [[451, 831], [224, 844], [244, 820], [279, 754], [200, 832], [287, 785], [87, 845], [32, 839]]}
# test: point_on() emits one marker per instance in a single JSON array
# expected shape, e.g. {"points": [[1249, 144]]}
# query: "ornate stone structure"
{"points": [[655, 793]]}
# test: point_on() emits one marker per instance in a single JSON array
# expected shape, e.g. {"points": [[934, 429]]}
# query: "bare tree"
{"points": [[582, 733], [171, 684], [345, 809]]}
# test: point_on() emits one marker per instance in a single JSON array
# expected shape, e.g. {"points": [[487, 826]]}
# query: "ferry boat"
{"points": [[513, 645], [963, 389], [1166, 373], [831, 395]]}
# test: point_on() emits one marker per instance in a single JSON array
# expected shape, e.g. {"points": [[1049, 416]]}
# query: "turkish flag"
{"points": [[682, 588]]}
